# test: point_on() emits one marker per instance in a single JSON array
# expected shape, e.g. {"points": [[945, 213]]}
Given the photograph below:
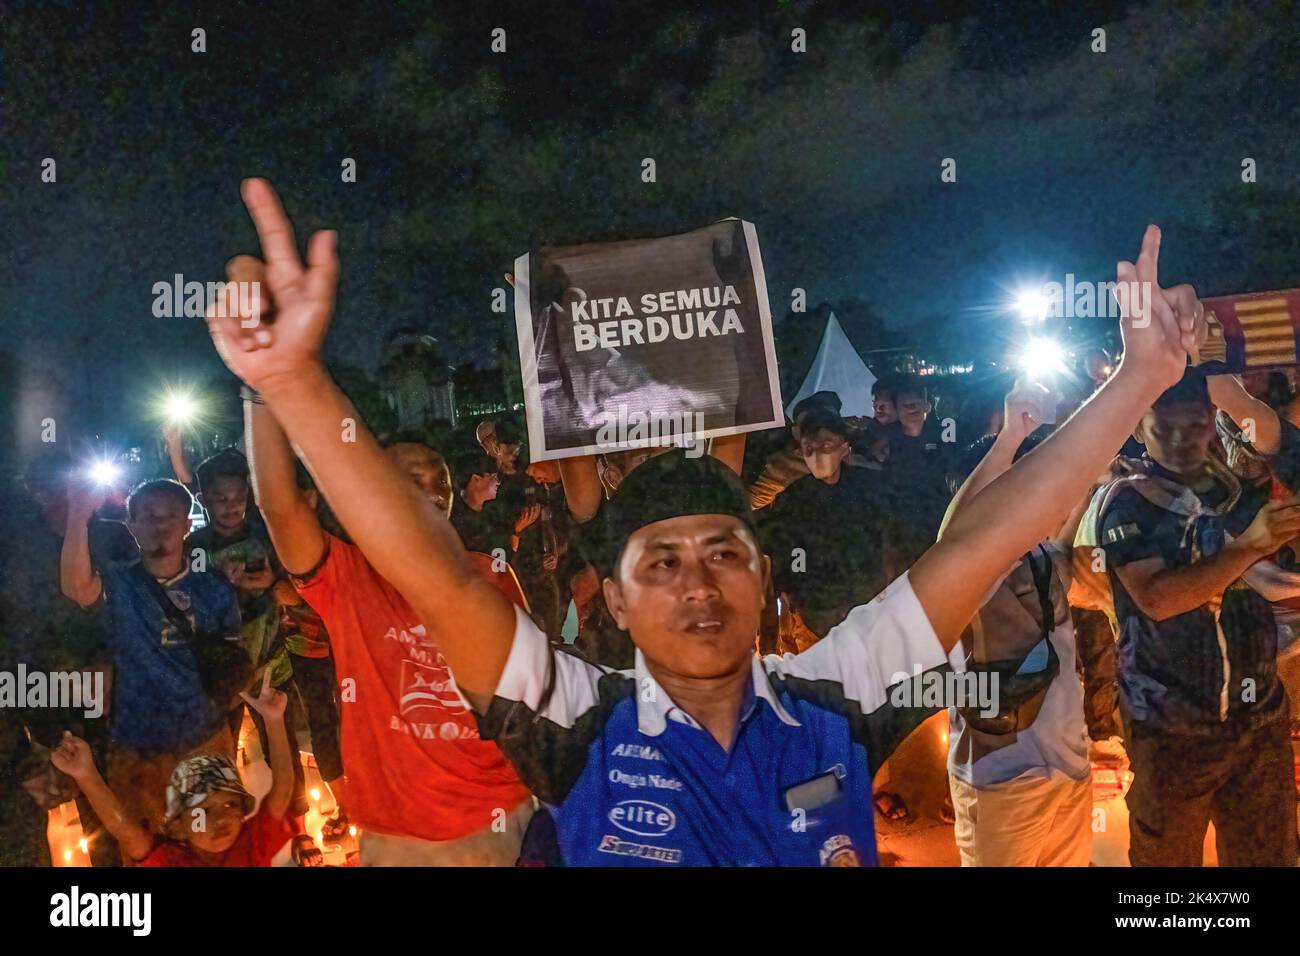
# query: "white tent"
{"points": [[838, 368]]}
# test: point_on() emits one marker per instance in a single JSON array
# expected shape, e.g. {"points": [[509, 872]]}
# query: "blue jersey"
{"points": [[158, 697], [631, 779]]}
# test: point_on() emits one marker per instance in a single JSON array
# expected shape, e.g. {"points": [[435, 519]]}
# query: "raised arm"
{"points": [[176, 454], [271, 703], [1019, 418], [293, 525], [72, 756], [1030, 501], [1258, 422], [407, 540], [582, 491], [77, 578]]}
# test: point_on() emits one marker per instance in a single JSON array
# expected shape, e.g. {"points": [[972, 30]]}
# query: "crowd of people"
{"points": [[653, 657]]}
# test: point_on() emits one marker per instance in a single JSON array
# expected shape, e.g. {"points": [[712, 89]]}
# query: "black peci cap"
{"points": [[670, 485]]}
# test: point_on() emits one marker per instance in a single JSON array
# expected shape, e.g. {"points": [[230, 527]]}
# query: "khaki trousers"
{"points": [[1028, 821]]}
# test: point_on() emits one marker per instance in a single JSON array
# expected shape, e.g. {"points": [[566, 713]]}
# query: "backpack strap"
{"points": [[165, 604]]}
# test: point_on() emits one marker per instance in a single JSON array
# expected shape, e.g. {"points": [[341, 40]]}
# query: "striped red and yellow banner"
{"points": [[1250, 332]]}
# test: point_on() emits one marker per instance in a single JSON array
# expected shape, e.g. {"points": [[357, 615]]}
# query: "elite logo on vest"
{"points": [[642, 818]]}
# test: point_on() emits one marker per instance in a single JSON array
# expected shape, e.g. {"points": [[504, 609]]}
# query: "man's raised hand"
{"points": [[1024, 408], [1158, 325], [73, 757], [269, 702], [84, 499], [257, 349]]}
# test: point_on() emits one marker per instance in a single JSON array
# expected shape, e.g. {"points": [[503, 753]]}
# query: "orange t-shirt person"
{"points": [[416, 766]]}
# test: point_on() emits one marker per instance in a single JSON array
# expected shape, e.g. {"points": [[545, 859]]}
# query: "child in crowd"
{"points": [[208, 820]]}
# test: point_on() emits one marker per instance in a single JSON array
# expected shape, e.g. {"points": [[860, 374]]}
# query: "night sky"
{"points": [[466, 158]]}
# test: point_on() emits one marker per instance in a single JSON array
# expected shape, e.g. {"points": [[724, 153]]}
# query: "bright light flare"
{"points": [[179, 408], [1031, 305], [104, 472], [1042, 358]]}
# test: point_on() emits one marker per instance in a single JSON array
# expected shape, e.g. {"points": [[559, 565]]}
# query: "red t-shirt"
{"points": [[416, 766], [262, 837]]}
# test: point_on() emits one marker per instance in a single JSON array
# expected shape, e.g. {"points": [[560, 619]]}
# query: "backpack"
{"points": [[1020, 696]]}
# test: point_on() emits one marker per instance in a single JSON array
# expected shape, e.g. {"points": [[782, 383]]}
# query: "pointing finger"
{"points": [[1148, 262], [272, 224]]}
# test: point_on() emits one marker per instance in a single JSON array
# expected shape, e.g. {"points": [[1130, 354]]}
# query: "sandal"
{"points": [[337, 828], [305, 852], [890, 806]]}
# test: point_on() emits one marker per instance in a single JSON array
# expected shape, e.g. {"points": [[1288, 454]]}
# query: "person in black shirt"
{"points": [[916, 476], [884, 410], [500, 443], [1206, 716], [477, 515], [544, 560], [824, 532]]}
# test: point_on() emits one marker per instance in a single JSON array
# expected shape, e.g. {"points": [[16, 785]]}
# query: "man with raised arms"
{"points": [[421, 784], [702, 753]]}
